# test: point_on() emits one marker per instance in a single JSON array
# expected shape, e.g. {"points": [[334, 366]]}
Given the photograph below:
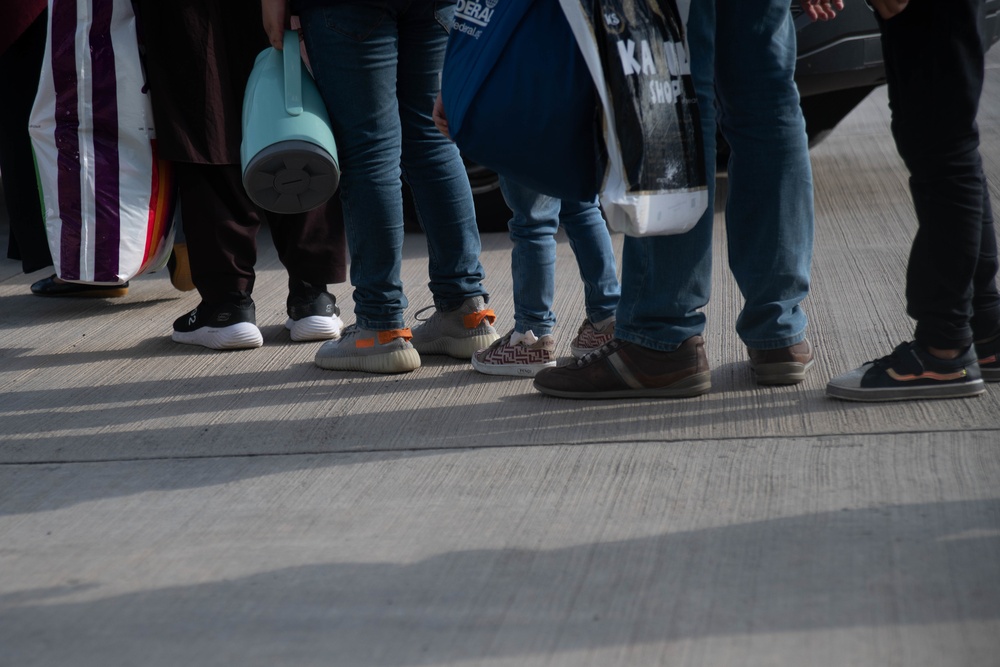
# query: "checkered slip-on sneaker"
{"points": [[516, 354], [589, 337]]}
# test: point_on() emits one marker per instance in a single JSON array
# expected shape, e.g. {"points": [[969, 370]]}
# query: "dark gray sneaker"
{"points": [[785, 365], [910, 372]]}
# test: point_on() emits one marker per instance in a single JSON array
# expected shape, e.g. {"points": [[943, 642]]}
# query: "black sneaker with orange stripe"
{"points": [[910, 372]]}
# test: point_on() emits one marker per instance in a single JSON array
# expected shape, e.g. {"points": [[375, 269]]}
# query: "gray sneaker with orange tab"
{"points": [[458, 333], [369, 351]]}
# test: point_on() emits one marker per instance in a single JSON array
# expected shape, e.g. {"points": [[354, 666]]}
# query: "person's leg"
{"points": [[431, 163], [529, 346], [461, 323], [769, 210], [312, 248], [588, 235], [937, 137], [353, 52], [666, 280], [221, 227], [311, 245], [595, 257], [658, 350], [533, 226], [985, 320]]}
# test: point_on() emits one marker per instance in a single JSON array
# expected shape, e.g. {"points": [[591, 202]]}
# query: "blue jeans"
{"points": [[743, 60], [533, 260], [377, 67]]}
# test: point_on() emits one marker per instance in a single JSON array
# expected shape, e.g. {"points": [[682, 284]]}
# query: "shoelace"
{"points": [[603, 351], [897, 356], [499, 342], [417, 315], [883, 362]]}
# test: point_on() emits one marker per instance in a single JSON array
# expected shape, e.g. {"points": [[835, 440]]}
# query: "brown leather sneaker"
{"points": [[785, 365], [626, 370]]}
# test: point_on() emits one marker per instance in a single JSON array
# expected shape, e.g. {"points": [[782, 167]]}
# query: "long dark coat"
{"points": [[192, 92]]}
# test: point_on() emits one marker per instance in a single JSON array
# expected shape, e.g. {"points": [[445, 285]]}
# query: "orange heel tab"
{"points": [[473, 320], [385, 337]]}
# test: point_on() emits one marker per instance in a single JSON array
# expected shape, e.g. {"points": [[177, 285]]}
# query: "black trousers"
{"points": [[934, 59], [221, 225], [20, 69]]}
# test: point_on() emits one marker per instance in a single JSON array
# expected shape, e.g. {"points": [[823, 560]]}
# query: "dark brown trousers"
{"points": [[221, 225]]}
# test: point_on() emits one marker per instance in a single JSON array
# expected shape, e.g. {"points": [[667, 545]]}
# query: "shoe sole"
{"points": [[689, 387], [990, 374], [400, 361], [242, 336], [459, 348], [964, 390], [511, 370], [784, 373], [314, 327], [109, 293]]}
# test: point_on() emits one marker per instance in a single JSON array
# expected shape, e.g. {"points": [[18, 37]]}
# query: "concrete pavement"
{"points": [[164, 505]]}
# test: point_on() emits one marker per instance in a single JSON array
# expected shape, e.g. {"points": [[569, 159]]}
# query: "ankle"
{"points": [[942, 353]]}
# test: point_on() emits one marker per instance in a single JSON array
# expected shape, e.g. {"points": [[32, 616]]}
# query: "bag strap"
{"points": [[293, 73]]}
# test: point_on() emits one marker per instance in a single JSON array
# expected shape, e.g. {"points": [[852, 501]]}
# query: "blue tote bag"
{"points": [[520, 99]]}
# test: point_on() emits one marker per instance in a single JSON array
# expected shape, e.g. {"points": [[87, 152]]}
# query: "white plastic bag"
{"points": [[637, 54]]}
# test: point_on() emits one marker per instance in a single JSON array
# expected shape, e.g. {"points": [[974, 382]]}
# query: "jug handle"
{"points": [[293, 73]]}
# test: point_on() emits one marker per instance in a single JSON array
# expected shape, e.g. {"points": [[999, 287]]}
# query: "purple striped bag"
{"points": [[107, 197]]}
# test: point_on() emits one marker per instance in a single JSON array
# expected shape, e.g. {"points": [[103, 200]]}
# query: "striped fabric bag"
{"points": [[107, 198]]}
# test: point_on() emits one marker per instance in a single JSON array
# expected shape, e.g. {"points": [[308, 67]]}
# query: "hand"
{"points": [[822, 10], [889, 8], [440, 120], [276, 20]]}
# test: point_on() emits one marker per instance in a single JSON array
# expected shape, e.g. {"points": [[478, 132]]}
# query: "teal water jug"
{"points": [[288, 154]]}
